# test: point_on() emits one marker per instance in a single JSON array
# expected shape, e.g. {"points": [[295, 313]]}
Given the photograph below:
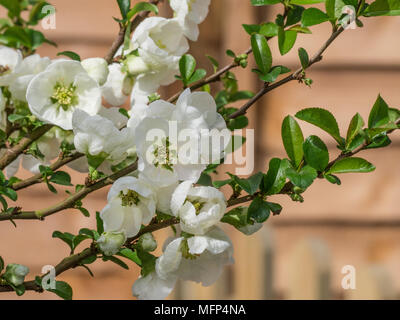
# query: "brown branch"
{"points": [[38, 178], [12, 153], [297, 75], [212, 78], [121, 34], [69, 202]]}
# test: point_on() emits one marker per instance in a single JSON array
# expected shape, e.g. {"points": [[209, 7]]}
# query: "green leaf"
{"points": [[148, 262], [264, 2], [12, 6], [304, 178], [187, 66], [214, 62], [116, 261], [197, 75], [304, 58], [10, 193], [294, 15], [142, 6], [272, 75], [313, 16], [250, 185], [347, 165], [238, 123], [355, 127], [293, 139], [18, 35], [332, 179], [275, 208], [99, 222], [19, 290], [205, 180], [316, 153], [1, 264], [63, 290], [275, 178], [78, 239], [220, 184], [70, 54], [67, 237], [383, 8], [305, 2], [262, 52], [379, 114], [124, 6], [380, 141], [259, 210], [237, 217], [61, 177], [131, 255], [323, 119], [286, 40]]}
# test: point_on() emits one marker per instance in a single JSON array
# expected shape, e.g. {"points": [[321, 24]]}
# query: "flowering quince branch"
{"points": [[52, 116]]}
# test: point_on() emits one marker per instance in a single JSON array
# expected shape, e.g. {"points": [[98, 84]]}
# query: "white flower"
{"points": [[198, 258], [53, 95], [24, 73], [97, 68], [111, 242], [169, 138], [160, 41], [98, 136], [15, 273], [113, 88], [152, 287], [131, 203], [190, 13], [9, 60], [199, 208]]}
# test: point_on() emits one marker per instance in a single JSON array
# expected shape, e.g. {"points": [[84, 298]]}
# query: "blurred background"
{"points": [[299, 254]]}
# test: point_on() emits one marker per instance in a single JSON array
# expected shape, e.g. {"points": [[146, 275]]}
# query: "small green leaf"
{"points": [[316, 153], [63, 290], [205, 180], [187, 66], [142, 6], [275, 178], [347, 165], [70, 54], [1, 264], [304, 58], [67, 237], [131, 255], [99, 222], [197, 76], [286, 40], [116, 261], [61, 177], [259, 210], [323, 119], [293, 139], [250, 185], [355, 127], [332, 179], [383, 8], [313, 16], [148, 262], [220, 184], [379, 114], [304, 178], [262, 52], [305, 2], [238, 123], [124, 6]]}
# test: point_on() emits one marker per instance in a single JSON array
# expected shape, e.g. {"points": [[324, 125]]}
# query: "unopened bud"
{"points": [[136, 65], [111, 242], [147, 242], [97, 68], [15, 274]]}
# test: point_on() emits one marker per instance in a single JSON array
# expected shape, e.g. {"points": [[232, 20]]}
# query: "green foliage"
{"points": [[323, 119], [63, 290], [70, 54], [262, 53], [313, 16], [275, 179], [293, 139], [347, 165], [140, 7], [383, 8], [187, 68], [71, 240], [316, 153], [251, 184], [304, 58], [286, 40]]}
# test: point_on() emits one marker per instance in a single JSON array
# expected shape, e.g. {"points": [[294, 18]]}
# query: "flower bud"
{"points": [[136, 65], [97, 68], [147, 242], [111, 242], [15, 274]]}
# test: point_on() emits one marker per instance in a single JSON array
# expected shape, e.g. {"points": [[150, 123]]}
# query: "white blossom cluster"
{"points": [[70, 95]]}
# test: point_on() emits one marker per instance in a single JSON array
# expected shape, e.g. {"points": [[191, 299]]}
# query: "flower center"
{"points": [[64, 95], [164, 155], [198, 205], [160, 44], [4, 70], [130, 198]]}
